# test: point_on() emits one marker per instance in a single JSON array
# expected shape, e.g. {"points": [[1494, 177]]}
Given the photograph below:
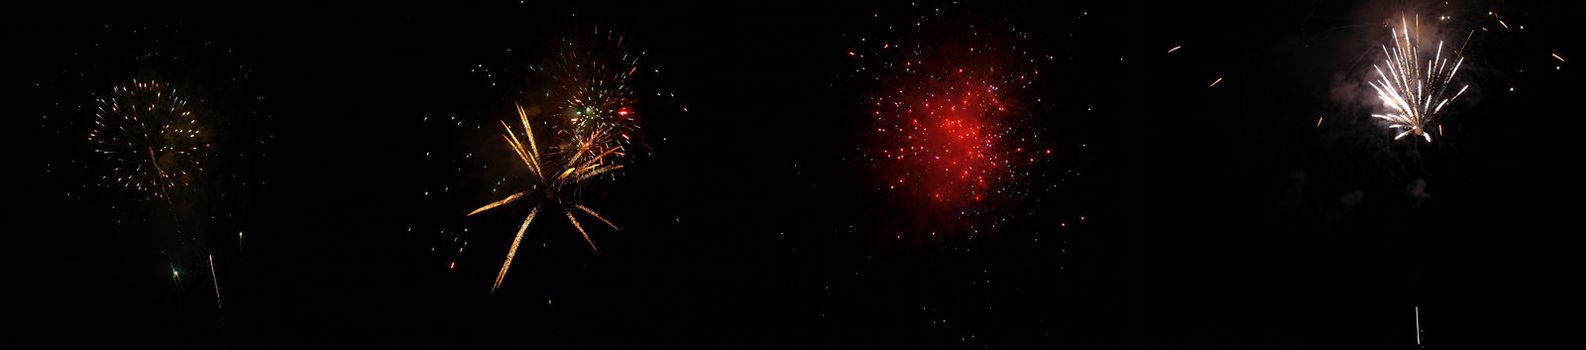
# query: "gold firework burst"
{"points": [[555, 180], [150, 136]]}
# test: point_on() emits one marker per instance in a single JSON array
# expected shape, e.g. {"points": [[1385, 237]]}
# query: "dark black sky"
{"points": [[1215, 217]]}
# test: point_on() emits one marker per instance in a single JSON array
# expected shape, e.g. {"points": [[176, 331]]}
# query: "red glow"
{"points": [[951, 111], [949, 144]]}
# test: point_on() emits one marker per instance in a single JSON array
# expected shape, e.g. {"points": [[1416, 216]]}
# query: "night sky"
{"points": [[1055, 174]]}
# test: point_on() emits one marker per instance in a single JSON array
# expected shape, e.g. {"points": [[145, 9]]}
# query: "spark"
{"points": [[214, 277], [1418, 325], [1556, 57], [592, 87], [1413, 93], [1499, 19], [1214, 82], [1175, 48]]}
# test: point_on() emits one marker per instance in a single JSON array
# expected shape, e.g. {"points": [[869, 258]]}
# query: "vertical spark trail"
{"points": [[220, 307]]}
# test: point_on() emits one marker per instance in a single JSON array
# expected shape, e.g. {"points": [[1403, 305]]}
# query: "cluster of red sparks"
{"points": [[947, 119], [943, 136]]}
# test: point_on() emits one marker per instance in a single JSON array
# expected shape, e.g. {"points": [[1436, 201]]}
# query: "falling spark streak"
{"points": [[1465, 43], [585, 154], [1214, 83], [1418, 326], [597, 216], [1560, 59], [580, 228], [513, 251], [509, 199], [1175, 48], [214, 277], [1415, 96], [1499, 19]]}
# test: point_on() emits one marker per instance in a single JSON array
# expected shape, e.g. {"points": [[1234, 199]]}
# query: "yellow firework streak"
{"points": [[584, 155]]}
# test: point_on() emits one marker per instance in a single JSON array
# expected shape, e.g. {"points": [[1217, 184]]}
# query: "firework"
{"points": [[948, 116], [1414, 93], [151, 137], [592, 90], [556, 176]]}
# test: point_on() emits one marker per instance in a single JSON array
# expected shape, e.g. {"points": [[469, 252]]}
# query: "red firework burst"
{"points": [[945, 139], [948, 117]]}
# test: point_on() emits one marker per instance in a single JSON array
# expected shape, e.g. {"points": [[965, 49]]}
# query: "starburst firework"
{"points": [[1414, 93], [593, 89], [556, 177], [151, 137]]}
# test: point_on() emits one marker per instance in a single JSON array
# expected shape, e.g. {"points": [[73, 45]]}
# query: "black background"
{"points": [[1214, 217]]}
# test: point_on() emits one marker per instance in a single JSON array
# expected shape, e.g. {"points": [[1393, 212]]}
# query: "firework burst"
{"points": [[1414, 93], [151, 137], [588, 114], [593, 90], [949, 116], [556, 177]]}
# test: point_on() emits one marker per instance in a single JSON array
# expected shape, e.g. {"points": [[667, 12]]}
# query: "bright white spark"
{"points": [[1413, 93]]}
